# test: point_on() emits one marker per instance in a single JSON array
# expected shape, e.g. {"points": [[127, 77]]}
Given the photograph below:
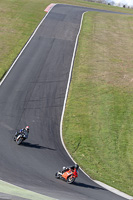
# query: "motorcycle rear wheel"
{"points": [[70, 179]]}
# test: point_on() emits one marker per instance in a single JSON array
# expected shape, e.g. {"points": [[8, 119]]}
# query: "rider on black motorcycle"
{"points": [[76, 166], [24, 131]]}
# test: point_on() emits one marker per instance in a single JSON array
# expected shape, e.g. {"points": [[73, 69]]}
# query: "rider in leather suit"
{"points": [[76, 166], [24, 131]]}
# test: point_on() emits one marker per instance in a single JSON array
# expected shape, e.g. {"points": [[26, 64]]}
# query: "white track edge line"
{"points": [[3, 79], [67, 89], [68, 84], [61, 122]]}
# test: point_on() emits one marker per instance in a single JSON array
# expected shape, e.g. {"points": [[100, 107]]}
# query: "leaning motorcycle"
{"points": [[68, 176], [20, 138]]}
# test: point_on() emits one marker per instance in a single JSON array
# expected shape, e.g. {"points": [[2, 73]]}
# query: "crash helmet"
{"points": [[76, 166], [64, 168], [27, 128]]}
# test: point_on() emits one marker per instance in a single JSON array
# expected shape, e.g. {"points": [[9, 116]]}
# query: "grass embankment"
{"points": [[18, 19], [98, 117], [98, 121]]}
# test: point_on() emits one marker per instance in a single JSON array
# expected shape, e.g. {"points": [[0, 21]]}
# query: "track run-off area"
{"points": [[34, 93]]}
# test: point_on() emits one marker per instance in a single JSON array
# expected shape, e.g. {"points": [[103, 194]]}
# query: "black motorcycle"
{"points": [[20, 138]]}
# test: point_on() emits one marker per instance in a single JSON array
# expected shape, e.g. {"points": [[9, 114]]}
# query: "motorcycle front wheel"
{"points": [[57, 175], [70, 179], [19, 141]]}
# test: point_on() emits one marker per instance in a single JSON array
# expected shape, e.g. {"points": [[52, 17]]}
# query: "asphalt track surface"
{"points": [[33, 94]]}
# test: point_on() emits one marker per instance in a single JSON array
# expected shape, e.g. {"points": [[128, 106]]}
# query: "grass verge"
{"points": [[18, 19], [98, 121], [98, 116]]}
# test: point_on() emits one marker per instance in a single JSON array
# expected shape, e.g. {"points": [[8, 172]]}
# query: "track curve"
{"points": [[33, 93]]}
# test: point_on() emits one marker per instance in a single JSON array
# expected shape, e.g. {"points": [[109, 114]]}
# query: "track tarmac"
{"points": [[33, 94]]}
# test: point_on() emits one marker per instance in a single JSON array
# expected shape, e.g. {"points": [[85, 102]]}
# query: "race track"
{"points": [[33, 94]]}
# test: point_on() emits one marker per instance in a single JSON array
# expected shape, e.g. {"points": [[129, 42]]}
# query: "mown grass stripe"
{"points": [[11, 189]]}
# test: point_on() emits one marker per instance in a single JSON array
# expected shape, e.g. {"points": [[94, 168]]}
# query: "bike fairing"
{"points": [[22, 133], [69, 174], [24, 130]]}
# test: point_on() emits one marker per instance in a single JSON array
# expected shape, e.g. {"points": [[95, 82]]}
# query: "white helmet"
{"points": [[27, 128]]}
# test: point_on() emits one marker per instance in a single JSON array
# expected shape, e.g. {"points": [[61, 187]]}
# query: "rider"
{"points": [[76, 166], [24, 131]]}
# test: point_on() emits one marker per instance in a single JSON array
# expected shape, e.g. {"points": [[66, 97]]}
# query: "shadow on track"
{"points": [[37, 146], [88, 186]]}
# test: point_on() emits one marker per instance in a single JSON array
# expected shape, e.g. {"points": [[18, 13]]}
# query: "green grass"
{"points": [[97, 125], [98, 121], [18, 19]]}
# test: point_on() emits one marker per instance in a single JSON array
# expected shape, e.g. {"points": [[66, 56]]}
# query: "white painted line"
{"points": [[68, 84], [61, 122], [67, 89], [114, 190], [24, 47]]}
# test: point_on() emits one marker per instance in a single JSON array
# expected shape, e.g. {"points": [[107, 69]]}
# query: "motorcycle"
{"points": [[68, 176], [20, 138]]}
